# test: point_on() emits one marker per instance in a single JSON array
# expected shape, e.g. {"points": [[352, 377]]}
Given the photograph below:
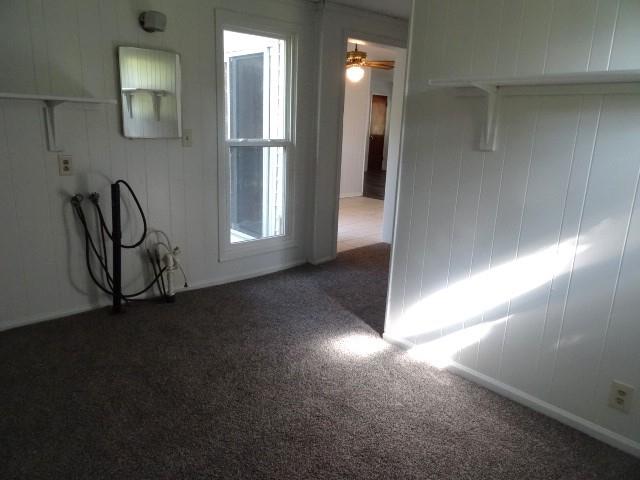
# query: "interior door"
{"points": [[377, 126]]}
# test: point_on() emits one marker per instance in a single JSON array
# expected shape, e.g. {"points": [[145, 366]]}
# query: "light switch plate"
{"points": [[187, 139], [65, 165]]}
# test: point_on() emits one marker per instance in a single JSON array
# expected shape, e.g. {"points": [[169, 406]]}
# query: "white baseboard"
{"points": [[585, 426], [245, 276], [52, 316], [399, 342], [33, 319], [322, 260], [349, 195]]}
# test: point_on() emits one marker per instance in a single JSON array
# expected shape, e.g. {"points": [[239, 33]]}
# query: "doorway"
{"points": [[370, 149]]}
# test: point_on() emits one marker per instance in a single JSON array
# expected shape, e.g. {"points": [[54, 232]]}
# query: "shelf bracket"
{"points": [[49, 110], [488, 139]]}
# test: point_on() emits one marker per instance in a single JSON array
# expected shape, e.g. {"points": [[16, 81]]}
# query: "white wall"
{"points": [[357, 109], [556, 204], [337, 25], [393, 146], [68, 47]]}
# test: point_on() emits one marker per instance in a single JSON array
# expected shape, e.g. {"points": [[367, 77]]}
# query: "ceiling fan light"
{"points": [[355, 73]]}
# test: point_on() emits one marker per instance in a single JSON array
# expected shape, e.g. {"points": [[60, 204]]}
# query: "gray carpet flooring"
{"points": [[259, 380]]}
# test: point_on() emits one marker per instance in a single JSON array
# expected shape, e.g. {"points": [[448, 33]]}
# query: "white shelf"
{"points": [[621, 76], [494, 88], [56, 98], [156, 95], [50, 103]]}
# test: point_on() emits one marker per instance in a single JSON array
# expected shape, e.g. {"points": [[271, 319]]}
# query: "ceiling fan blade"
{"points": [[383, 64]]}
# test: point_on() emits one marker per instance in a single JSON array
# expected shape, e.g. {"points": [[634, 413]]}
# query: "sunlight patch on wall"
{"points": [[440, 353], [482, 292]]}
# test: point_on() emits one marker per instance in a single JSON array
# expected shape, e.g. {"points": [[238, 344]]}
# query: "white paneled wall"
{"points": [[529, 255], [526, 37], [68, 47]]}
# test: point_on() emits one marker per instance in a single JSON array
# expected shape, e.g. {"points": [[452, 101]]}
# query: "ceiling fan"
{"points": [[357, 60]]}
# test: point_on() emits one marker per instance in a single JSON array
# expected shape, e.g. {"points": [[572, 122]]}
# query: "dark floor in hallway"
{"points": [[374, 184], [279, 377]]}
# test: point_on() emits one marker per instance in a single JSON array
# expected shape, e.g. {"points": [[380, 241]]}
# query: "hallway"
{"points": [[359, 223]]}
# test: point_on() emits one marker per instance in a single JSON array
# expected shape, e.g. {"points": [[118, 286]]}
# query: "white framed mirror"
{"points": [[150, 89]]}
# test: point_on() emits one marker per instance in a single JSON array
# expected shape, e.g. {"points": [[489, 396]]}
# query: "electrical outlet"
{"points": [[187, 139], [620, 396], [65, 165]]}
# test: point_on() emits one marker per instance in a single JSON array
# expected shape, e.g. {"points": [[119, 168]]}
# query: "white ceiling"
{"points": [[375, 51], [394, 8]]}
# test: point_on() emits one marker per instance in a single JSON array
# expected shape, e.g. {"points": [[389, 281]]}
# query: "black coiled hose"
{"points": [[90, 246]]}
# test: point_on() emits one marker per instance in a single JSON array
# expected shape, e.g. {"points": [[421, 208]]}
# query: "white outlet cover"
{"points": [[65, 165], [621, 396]]}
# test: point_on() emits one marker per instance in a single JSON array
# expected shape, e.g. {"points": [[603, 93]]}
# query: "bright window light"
{"points": [[256, 99]]}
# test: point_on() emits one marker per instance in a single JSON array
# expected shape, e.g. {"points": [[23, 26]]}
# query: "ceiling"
{"points": [[375, 51], [394, 8]]}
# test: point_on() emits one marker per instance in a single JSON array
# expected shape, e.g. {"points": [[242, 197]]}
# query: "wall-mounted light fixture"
{"points": [[152, 21]]}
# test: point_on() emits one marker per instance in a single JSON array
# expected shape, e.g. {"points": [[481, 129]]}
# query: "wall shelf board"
{"points": [[50, 103], [621, 76], [494, 88]]}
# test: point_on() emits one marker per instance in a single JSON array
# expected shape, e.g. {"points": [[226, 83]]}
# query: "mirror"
{"points": [[150, 93]]}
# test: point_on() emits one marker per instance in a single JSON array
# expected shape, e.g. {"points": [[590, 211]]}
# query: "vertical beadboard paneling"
{"points": [[602, 41], [447, 158], [521, 114], [458, 47], [13, 281], [423, 177], [486, 37], [509, 40], [466, 210], [570, 37], [623, 334], [605, 219], [16, 48], [63, 47], [87, 11], [430, 41], [406, 179], [527, 37], [39, 46], [534, 36], [493, 163], [568, 234], [26, 155], [542, 217], [625, 53]]}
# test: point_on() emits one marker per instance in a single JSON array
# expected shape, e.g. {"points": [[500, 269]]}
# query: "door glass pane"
{"points": [[255, 84], [257, 193]]}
